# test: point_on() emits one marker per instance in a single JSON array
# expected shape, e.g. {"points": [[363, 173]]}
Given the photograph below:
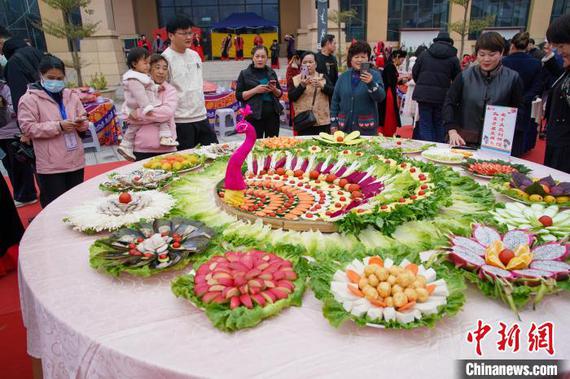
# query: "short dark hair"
{"points": [[155, 58], [398, 53], [531, 40], [259, 47], [356, 48], [4, 33], [305, 53], [135, 55], [521, 40], [559, 30], [178, 22], [420, 50], [49, 61], [326, 39], [491, 41]]}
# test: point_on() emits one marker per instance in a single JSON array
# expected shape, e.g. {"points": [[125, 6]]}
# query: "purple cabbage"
{"points": [[319, 166], [293, 162], [519, 180], [367, 181], [305, 165], [548, 181], [281, 162], [561, 189], [267, 163], [371, 189], [341, 171]]}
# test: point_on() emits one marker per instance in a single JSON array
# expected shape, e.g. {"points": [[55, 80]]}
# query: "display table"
{"points": [[103, 115], [85, 324]]}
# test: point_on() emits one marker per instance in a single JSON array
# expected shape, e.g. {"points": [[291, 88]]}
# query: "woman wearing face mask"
{"points": [[259, 87], [488, 83], [52, 117], [310, 91], [357, 94]]}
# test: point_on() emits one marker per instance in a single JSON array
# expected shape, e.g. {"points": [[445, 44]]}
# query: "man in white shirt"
{"points": [[185, 67]]}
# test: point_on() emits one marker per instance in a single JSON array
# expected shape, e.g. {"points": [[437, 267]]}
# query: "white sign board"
{"points": [[415, 38], [499, 129]]}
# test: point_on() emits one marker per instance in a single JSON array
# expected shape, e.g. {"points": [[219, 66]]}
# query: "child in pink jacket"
{"points": [[52, 117], [140, 94]]}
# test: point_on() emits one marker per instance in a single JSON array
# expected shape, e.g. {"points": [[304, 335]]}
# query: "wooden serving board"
{"points": [[277, 223]]}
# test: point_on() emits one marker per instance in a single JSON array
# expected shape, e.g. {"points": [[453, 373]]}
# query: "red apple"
{"points": [[125, 198], [506, 255], [546, 221]]}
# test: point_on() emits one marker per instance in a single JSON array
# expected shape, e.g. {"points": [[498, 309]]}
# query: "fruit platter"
{"points": [[548, 223], [279, 143], [137, 180], [148, 248], [378, 292], [239, 289], [513, 266], [522, 188], [340, 138], [445, 156], [117, 210], [489, 168], [215, 151], [177, 162], [407, 146]]}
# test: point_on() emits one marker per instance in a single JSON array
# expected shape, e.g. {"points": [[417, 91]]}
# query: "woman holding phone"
{"points": [[258, 87], [310, 91], [53, 117], [357, 93]]}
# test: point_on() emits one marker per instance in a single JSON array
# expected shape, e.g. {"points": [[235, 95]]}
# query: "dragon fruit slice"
{"points": [[561, 269], [514, 238], [550, 251], [532, 273], [485, 235], [496, 272], [464, 259], [467, 244]]}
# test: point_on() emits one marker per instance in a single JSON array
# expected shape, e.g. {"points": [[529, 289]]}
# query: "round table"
{"points": [[85, 324]]}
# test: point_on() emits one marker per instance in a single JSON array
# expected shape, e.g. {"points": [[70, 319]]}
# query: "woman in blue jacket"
{"points": [[357, 94]]}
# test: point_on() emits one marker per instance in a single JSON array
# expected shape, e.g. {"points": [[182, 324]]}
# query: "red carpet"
{"points": [[14, 361]]}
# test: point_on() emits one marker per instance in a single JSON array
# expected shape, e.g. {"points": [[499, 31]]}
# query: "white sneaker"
{"points": [[23, 204], [126, 153], [168, 141]]}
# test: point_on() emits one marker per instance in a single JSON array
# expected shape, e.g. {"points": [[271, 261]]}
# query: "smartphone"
{"points": [[466, 147], [365, 67], [304, 71], [273, 82]]}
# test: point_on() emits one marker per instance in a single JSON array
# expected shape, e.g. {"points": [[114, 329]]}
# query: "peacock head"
{"points": [[242, 114]]}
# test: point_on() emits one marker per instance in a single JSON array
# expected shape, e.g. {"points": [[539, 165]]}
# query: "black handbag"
{"points": [[305, 119], [23, 152]]}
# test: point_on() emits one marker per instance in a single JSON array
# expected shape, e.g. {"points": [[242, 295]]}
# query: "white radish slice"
{"points": [[549, 251], [368, 173], [404, 263], [260, 164], [388, 263], [430, 275], [417, 313], [340, 276], [375, 313], [249, 161], [311, 163], [288, 160], [514, 238], [389, 313], [485, 235], [358, 266], [299, 163], [347, 305], [468, 244], [427, 308], [337, 165], [441, 290], [426, 255], [405, 317], [351, 169], [360, 310], [438, 300], [325, 163]]}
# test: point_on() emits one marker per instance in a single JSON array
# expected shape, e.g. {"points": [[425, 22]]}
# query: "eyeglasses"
{"points": [[186, 34]]}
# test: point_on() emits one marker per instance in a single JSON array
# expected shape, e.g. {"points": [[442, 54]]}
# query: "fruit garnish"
{"points": [[506, 255], [125, 198], [545, 220]]}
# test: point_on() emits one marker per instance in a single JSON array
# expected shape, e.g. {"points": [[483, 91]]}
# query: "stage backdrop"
{"points": [[217, 39]]}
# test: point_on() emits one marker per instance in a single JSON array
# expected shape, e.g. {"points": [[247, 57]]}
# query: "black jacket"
{"points": [[250, 78], [558, 112], [22, 67], [472, 91], [434, 71]]}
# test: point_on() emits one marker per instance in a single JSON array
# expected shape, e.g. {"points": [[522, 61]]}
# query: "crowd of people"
{"points": [[42, 122]]}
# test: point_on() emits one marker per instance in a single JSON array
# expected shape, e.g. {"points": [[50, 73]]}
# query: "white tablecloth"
{"points": [[84, 324]]}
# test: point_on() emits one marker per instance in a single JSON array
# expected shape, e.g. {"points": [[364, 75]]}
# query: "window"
{"points": [[19, 17], [560, 8], [507, 13], [416, 14], [355, 28]]}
